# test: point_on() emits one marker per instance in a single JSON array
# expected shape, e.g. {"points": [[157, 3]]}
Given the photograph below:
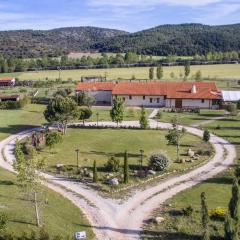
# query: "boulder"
{"points": [[158, 220], [151, 172], [59, 165], [113, 182], [190, 152]]}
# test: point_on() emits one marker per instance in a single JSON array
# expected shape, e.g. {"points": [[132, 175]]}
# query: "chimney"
{"points": [[194, 89]]}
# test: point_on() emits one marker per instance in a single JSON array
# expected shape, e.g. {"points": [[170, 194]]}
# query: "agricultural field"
{"points": [[218, 192], [226, 76]]}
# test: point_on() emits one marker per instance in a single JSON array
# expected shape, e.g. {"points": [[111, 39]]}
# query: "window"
{"points": [[144, 97], [150, 100], [165, 97], [130, 97], [203, 100], [158, 100]]}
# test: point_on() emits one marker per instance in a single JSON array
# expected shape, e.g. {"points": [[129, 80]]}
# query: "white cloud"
{"points": [[144, 3]]}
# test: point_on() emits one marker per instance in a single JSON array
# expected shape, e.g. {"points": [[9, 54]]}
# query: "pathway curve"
{"points": [[112, 219]]}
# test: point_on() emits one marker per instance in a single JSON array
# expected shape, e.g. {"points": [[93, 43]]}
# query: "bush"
{"points": [[206, 136], [3, 221], [53, 138], [113, 165], [187, 211], [217, 214], [159, 162], [232, 108]]}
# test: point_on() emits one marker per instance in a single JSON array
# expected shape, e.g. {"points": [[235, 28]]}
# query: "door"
{"points": [[178, 103]]}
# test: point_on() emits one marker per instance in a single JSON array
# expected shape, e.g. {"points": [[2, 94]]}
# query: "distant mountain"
{"points": [[30, 43], [183, 39]]}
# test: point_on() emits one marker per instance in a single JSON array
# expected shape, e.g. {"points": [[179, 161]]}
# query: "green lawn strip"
{"points": [[186, 118], [59, 216], [218, 193]]}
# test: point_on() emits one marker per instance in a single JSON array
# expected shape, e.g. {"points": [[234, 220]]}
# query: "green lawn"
{"points": [[224, 74], [101, 144], [218, 193], [186, 118], [58, 215]]}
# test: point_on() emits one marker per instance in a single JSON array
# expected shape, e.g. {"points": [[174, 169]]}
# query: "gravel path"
{"points": [[112, 219]]}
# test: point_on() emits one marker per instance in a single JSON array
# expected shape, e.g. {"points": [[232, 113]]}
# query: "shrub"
{"points": [[159, 162], [206, 136], [217, 214], [3, 221], [232, 108], [187, 211], [53, 138], [113, 164]]}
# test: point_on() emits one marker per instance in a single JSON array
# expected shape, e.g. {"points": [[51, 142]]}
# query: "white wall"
{"points": [[139, 101], [190, 103]]}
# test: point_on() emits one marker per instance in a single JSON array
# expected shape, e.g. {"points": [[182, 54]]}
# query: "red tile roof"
{"points": [[204, 90], [96, 86], [6, 79]]}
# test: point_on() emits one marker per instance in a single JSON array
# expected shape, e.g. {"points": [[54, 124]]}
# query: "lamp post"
{"points": [[141, 158], [77, 151], [97, 118]]}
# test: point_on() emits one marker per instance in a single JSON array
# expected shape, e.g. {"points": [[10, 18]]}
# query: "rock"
{"points": [[190, 152], [113, 181], [158, 220], [59, 165], [151, 172], [90, 174]]}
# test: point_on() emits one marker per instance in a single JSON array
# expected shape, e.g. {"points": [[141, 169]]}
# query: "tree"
{"points": [[61, 110], [232, 220], [85, 113], [95, 173], [175, 134], [198, 76], [159, 162], [3, 221], [159, 72], [206, 136], [84, 99], [187, 69], [143, 119], [205, 217], [53, 138], [27, 175], [126, 173], [117, 110], [151, 73]]}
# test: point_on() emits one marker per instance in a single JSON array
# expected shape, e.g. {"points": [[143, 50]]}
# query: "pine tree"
{"points": [[159, 72], [126, 174], [143, 119], [95, 174], [151, 73], [117, 110], [232, 219], [187, 69], [205, 217], [206, 136]]}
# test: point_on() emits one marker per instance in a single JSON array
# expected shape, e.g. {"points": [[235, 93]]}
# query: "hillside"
{"points": [[184, 39], [29, 43]]}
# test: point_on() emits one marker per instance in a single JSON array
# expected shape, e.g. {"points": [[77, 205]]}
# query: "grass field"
{"points": [[218, 191], [187, 118], [101, 144], [58, 216]]}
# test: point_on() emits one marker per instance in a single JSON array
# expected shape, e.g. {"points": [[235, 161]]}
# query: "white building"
{"points": [[155, 94]]}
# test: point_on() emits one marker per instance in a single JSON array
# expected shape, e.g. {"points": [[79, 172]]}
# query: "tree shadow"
{"points": [[6, 182], [16, 128], [220, 180]]}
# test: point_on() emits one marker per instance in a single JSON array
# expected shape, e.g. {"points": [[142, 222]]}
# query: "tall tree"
{"points": [[232, 220], [187, 69], [28, 177], [117, 110], [159, 72], [205, 217], [61, 110], [143, 120], [126, 173], [151, 73]]}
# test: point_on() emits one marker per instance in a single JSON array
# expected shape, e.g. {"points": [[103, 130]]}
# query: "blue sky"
{"points": [[129, 15]]}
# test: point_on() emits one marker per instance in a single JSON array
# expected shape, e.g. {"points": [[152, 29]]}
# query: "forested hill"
{"points": [[56, 42], [183, 40]]}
